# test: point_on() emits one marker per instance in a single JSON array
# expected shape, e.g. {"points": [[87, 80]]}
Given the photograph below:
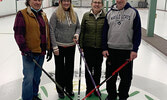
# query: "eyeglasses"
{"points": [[97, 3]]}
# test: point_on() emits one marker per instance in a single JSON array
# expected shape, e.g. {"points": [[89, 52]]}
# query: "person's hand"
{"points": [[29, 55], [56, 52], [105, 53], [75, 39], [81, 50], [133, 55], [49, 55]]}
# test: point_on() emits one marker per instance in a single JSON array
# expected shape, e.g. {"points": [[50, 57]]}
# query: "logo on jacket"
{"points": [[120, 18]]}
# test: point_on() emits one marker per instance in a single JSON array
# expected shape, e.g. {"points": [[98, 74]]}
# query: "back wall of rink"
{"points": [[8, 7]]}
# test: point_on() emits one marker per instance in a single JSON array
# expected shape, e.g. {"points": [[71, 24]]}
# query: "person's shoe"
{"points": [[61, 95], [71, 93], [36, 98]]}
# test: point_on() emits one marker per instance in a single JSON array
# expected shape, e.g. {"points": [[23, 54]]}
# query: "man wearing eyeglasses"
{"points": [[31, 31], [121, 40]]}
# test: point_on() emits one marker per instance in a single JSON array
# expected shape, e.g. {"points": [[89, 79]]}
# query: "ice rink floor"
{"points": [[150, 68]]}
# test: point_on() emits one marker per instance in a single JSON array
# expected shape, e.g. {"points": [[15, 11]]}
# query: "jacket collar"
{"points": [[113, 7], [29, 11], [101, 13]]}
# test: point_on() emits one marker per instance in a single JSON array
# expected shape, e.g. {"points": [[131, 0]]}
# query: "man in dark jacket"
{"points": [[121, 39]]}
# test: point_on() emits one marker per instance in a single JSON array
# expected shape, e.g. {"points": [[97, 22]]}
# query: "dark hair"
{"points": [[27, 3]]}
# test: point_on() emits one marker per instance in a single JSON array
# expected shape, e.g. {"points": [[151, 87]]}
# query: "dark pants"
{"points": [[94, 59], [116, 59], [65, 68]]}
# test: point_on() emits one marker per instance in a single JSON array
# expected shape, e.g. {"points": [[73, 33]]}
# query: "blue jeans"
{"points": [[32, 74]]}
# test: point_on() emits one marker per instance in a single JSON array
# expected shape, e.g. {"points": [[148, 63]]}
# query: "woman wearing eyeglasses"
{"points": [[90, 42], [64, 33]]}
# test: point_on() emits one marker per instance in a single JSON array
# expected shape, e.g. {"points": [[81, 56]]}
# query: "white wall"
{"points": [[7, 7], [21, 4], [86, 2], [133, 3], [46, 3], [161, 4], [76, 2]]}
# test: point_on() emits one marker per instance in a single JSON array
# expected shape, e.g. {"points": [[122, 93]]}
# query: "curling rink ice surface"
{"points": [[150, 68]]}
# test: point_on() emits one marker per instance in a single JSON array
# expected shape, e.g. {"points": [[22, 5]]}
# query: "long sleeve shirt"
{"points": [[39, 41]]}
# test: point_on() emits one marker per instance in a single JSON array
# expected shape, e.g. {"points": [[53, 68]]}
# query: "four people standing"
{"points": [[90, 42], [31, 32], [64, 33], [116, 36], [121, 39]]}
